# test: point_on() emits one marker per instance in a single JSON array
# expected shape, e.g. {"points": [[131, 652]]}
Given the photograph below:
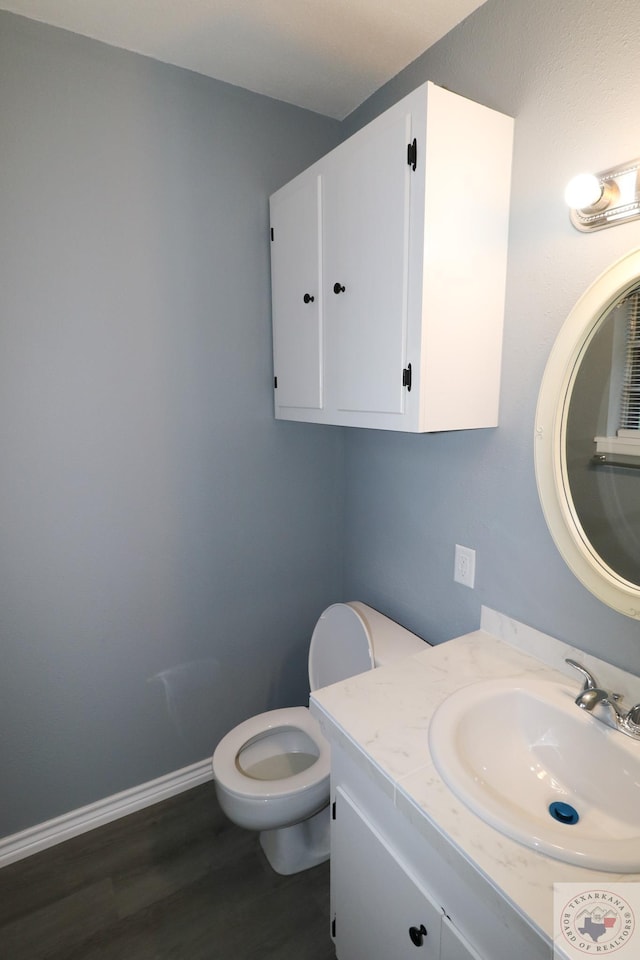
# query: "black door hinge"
{"points": [[333, 928], [406, 378], [272, 227], [412, 154], [275, 383], [333, 810]]}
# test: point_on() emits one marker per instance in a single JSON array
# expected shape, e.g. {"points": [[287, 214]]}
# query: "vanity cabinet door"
{"points": [[453, 945], [295, 290], [381, 912]]}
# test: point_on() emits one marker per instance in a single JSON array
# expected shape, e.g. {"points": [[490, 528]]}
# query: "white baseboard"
{"points": [[43, 835]]}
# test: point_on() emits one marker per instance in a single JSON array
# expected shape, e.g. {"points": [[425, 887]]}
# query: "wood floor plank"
{"points": [[61, 925], [177, 881], [197, 923]]}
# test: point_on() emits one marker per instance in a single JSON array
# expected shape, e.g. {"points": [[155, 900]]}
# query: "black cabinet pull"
{"points": [[418, 934], [308, 298], [338, 288]]}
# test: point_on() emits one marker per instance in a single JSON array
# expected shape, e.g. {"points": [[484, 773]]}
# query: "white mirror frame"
{"points": [[550, 439]]}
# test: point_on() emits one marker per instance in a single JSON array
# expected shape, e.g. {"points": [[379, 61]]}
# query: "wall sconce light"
{"points": [[604, 199]]}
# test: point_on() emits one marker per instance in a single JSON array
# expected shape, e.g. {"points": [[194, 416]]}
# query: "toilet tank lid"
{"points": [[389, 640], [340, 646]]}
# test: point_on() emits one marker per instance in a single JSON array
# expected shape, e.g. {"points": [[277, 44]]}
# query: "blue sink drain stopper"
{"points": [[563, 812]]}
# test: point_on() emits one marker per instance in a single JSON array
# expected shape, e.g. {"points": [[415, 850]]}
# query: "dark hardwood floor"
{"points": [[176, 881]]}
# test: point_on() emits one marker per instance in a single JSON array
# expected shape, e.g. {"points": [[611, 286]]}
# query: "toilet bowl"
{"points": [[271, 772], [274, 769]]}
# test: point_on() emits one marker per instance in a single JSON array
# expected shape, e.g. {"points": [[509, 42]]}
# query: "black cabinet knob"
{"points": [[338, 288], [418, 934], [308, 298]]}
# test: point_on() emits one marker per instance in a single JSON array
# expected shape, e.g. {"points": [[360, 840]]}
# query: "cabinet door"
{"points": [[365, 244], [295, 289], [380, 910], [453, 945]]}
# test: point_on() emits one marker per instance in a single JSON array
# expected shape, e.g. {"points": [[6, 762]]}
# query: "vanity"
{"points": [[412, 866]]}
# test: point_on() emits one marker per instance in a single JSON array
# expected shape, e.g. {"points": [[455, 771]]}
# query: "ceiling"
{"points": [[325, 55]]}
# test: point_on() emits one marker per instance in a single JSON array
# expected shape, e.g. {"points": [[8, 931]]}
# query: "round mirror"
{"points": [[587, 446]]}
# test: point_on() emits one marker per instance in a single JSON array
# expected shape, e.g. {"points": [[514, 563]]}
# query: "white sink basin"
{"points": [[510, 748]]}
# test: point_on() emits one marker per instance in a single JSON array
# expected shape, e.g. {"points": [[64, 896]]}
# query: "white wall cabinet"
{"points": [[388, 271]]}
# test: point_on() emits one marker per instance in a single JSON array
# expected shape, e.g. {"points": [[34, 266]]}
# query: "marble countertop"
{"points": [[384, 715]]}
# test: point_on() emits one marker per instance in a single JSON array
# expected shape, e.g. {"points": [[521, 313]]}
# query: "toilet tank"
{"points": [[389, 640], [351, 638]]}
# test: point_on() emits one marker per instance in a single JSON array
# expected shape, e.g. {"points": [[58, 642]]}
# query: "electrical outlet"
{"points": [[464, 569]]}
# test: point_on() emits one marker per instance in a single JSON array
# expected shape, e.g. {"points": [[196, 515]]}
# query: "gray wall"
{"points": [[166, 546], [568, 72]]}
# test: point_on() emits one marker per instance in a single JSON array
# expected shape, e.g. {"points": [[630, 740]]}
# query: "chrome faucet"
{"points": [[591, 694]]}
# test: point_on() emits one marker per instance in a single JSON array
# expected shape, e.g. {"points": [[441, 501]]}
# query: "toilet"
{"points": [[271, 772]]}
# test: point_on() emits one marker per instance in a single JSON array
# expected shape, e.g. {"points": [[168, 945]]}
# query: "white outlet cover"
{"points": [[464, 570]]}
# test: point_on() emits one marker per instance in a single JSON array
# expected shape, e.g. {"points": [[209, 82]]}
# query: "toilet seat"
{"points": [[227, 773]]}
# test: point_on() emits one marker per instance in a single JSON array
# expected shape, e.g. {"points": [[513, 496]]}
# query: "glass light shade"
{"points": [[583, 191]]}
